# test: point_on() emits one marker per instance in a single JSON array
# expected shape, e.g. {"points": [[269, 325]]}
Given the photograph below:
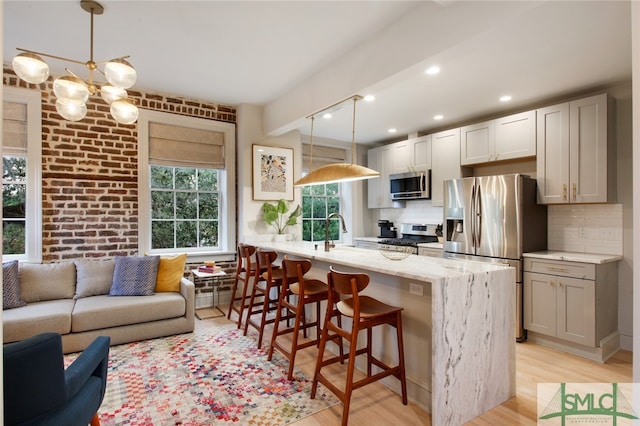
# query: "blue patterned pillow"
{"points": [[134, 276], [11, 297]]}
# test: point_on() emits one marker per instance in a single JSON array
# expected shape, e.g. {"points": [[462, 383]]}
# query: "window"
{"points": [[318, 202], [184, 207], [21, 175], [14, 204], [187, 185]]}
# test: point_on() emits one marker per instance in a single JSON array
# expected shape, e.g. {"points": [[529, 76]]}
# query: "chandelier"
{"points": [[337, 172], [72, 92]]}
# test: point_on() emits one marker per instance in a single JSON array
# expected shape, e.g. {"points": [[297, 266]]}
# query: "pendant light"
{"points": [[337, 172], [71, 91]]}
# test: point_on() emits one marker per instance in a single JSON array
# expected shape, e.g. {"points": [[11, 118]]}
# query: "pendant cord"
{"points": [[353, 131], [313, 117], [91, 38]]}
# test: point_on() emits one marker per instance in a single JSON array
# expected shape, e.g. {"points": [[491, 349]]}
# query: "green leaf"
{"points": [[283, 206], [270, 216]]}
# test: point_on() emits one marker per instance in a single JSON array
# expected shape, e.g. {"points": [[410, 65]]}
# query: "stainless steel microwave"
{"points": [[411, 185]]}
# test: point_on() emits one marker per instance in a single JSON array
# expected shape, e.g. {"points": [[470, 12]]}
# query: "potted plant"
{"points": [[276, 215]]}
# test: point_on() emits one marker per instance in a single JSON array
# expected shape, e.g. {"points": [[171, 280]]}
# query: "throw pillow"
{"points": [[47, 281], [134, 276], [94, 277], [11, 286], [170, 272]]}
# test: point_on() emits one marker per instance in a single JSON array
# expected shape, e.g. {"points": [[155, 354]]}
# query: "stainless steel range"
{"points": [[413, 234]]}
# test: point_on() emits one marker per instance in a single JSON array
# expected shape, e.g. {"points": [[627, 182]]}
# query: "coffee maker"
{"points": [[387, 230]]}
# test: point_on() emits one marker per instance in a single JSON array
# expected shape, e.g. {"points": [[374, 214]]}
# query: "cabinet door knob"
{"points": [[574, 192]]}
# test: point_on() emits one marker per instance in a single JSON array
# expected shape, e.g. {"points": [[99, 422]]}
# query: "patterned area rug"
{"points": [[213, 376]]}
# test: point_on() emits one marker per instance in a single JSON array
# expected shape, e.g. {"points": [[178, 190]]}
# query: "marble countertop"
{"points": [[421, 268], [574, 256]]}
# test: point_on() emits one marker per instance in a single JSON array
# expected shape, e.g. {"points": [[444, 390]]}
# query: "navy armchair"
{"points": [[39, 391]]}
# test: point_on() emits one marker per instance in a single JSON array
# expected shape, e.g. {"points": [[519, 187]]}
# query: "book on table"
{"points": [[209, 269]]}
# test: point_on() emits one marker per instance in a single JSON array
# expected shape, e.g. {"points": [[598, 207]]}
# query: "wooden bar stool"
{"points": [[263, 285], [366, 313], [245, 270], [306, 291]]}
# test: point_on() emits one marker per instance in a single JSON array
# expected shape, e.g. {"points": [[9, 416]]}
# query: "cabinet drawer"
{"points": [[429, 251], [560, 268]]}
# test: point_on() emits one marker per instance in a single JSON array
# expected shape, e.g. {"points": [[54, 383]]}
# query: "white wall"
{"points": [[250, 223]]}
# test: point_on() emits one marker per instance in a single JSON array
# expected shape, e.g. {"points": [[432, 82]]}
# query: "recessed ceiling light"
{"points": [[438, 117], [369, 98], [392, 130], [433, 70], [505, 98], [326, 115]]}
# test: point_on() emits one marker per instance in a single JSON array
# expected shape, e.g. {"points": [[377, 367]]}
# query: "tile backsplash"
{"points": [[586, 228]]}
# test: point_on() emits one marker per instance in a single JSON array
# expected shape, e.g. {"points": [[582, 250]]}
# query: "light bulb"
{"points": [[70, 87], [111, 93], [124, 111], [71, 109], [31, 68], [120, 73]]}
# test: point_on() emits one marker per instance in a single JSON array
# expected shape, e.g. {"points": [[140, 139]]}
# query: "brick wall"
{"points": [[90, 172]]}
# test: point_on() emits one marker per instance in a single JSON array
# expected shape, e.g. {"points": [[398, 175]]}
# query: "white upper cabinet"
{"points": [[515, 136], [400, 157], [411, 155], [378, 189], [574, 151], [477, 144], [552, 161], [505, 138], [445, 152], [420, 149]]}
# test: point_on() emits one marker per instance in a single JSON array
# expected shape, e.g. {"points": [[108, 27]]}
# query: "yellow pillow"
{"points": [[170, 272]]}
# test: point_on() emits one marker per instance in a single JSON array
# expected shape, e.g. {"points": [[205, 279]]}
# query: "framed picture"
{"points": [[272, 173]]}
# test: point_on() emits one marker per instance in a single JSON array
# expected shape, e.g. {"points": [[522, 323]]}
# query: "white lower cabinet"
{"points": [[572, 301], [560, 306]]}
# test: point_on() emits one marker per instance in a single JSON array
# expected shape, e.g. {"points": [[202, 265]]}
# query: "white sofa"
{"points": [[73, 299]]}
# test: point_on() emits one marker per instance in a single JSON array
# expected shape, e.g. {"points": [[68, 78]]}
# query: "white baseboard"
{"points": [[626, 342], [608, 346]]}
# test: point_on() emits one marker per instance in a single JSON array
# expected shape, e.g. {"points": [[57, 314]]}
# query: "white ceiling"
{"points": [[296, 57]]}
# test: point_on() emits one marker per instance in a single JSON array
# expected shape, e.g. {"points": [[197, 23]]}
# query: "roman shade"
{"points": [[14, 128], [322, 155], [178, 146]]}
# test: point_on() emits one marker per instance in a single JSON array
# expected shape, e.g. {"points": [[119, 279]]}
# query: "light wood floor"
{"points": [[376, 405]]}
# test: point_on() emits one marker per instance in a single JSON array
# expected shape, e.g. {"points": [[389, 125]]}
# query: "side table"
{"points": [[215, 281]]}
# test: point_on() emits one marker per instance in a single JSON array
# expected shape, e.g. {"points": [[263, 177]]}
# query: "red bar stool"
{"points": [[366, 313], [263, 285], [306, 291]]}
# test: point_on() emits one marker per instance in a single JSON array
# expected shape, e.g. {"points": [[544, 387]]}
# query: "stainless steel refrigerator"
{"points": [[494, 219]]}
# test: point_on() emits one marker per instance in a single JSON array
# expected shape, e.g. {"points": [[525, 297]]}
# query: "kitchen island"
{"points": [[458, 320]]}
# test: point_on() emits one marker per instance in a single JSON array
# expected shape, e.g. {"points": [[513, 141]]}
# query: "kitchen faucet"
{"points": [[327, 244]]}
